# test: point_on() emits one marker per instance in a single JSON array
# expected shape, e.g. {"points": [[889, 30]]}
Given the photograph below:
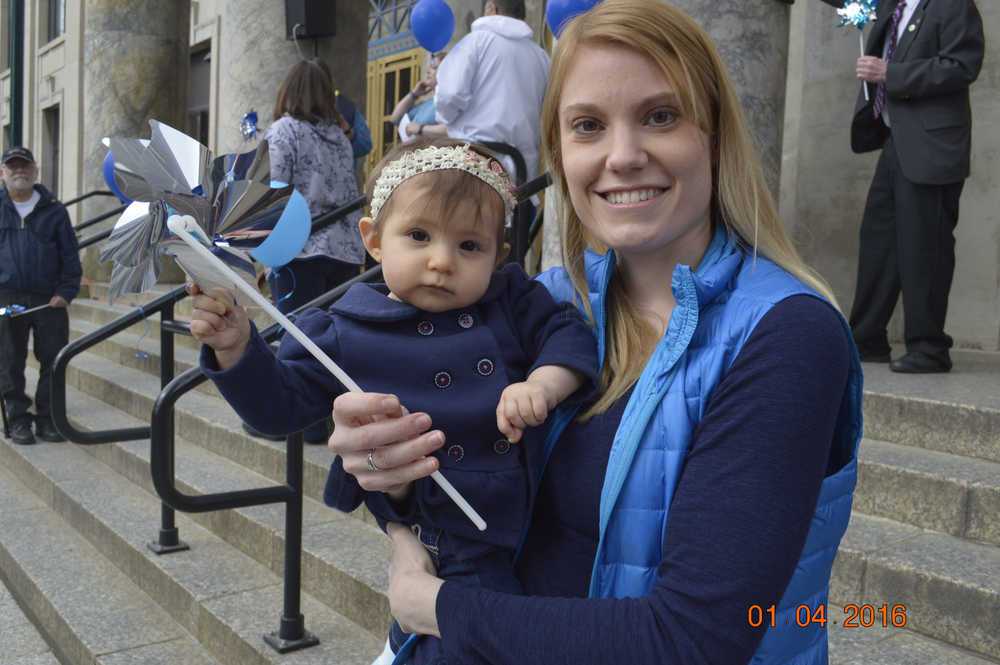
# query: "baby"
{"points": [[485, 351]]}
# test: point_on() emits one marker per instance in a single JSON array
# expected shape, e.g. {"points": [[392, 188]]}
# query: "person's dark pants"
{"points": [[50, 328], [908, 244], [299, 282]]}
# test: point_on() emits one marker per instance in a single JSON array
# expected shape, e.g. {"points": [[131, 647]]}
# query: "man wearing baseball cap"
{"points": [[39, 266]]}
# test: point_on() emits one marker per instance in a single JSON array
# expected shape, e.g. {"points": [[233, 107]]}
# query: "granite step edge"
{"points": [[85, 606], [930, 489], [958, 429], [196, 587], [351, 580], [947, 586]]}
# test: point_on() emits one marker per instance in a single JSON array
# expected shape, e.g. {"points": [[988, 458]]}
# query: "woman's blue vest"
{"points": [[717, 308]]}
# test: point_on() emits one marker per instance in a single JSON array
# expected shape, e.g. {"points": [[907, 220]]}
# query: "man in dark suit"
{"points": [[921, 58]]}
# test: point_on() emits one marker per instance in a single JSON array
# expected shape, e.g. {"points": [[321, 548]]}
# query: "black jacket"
{"points": [[937, 58], [38, 254]]}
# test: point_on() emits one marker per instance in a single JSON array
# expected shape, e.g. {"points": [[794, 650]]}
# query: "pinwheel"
{"points": [[241, 213], [858, 13], [205, 213]]}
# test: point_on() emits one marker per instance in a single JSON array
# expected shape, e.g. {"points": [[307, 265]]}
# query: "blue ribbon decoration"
{"points": [[248, 125]]}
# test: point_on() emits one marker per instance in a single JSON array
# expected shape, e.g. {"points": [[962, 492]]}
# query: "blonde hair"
{"points": [[740, 195]]}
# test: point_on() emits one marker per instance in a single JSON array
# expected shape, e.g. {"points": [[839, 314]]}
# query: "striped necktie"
{"points": [[879, 104]]}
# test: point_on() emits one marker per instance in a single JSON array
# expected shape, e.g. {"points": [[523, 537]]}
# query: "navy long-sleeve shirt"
{"points": [[738, 521]]}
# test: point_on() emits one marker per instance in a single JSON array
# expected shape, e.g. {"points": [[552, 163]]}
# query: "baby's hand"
{"points": [[524, 404], [218, 322], [527, 404]]}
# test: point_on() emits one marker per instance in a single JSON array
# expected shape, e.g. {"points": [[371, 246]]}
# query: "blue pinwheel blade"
{"points": [[288, 236]]}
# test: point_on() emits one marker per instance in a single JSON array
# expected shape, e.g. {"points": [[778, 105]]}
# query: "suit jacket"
{"points": [[927, 84]]}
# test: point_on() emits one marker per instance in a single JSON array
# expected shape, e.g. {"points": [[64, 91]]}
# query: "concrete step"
{"points": [[224, 598], [138, 351], [891, 646], [957, 495], [88, 608], [949, 587], [22, 643], [956, 413], [344, 559]]}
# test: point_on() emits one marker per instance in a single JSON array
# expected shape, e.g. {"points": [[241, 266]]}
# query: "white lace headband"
{"points": [[434, 158]]}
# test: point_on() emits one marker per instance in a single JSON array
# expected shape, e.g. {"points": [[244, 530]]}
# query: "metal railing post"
{"points": [[59, 415], [168, 540], [292, 633]]}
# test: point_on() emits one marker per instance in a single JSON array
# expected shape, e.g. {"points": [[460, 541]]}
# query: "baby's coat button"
{"points": [[456, 452], [465, 320], [442, 380], [484, 367], [425, 328], [501, 446]]}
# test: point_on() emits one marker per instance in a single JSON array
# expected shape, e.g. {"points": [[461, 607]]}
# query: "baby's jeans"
{"points": [[493, 570]]}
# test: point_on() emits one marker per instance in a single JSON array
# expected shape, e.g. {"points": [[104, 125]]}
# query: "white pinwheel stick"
{"points": [[184, 226], [14, 313], [861, 40]]}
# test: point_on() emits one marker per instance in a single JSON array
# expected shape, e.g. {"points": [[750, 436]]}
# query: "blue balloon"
{"points": [[433, 23], [108, 168], [289, 235], [559, 12]]}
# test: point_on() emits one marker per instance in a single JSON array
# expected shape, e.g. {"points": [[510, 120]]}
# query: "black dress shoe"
{"points": [[46, 431], [253, 432], [20, 432], [918, 362]]}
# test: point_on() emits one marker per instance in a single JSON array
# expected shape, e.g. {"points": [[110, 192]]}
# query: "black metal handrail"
{"points": [[526, 191], [328, 218], [82, 197], [291, 632], [90, 240], [522, 212], [164, 305]]}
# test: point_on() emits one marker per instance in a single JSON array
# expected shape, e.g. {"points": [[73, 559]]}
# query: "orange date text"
{"points": [[854, 616]]}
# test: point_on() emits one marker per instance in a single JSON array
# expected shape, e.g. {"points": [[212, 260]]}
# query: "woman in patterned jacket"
{"points": [[310, 150]]}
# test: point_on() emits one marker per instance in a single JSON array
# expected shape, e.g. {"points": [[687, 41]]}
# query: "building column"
{"points": [[135, 68], [752, 37], [255, 56]]}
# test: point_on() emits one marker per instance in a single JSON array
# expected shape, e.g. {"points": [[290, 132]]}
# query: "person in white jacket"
{"points": [[491, 85]]}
